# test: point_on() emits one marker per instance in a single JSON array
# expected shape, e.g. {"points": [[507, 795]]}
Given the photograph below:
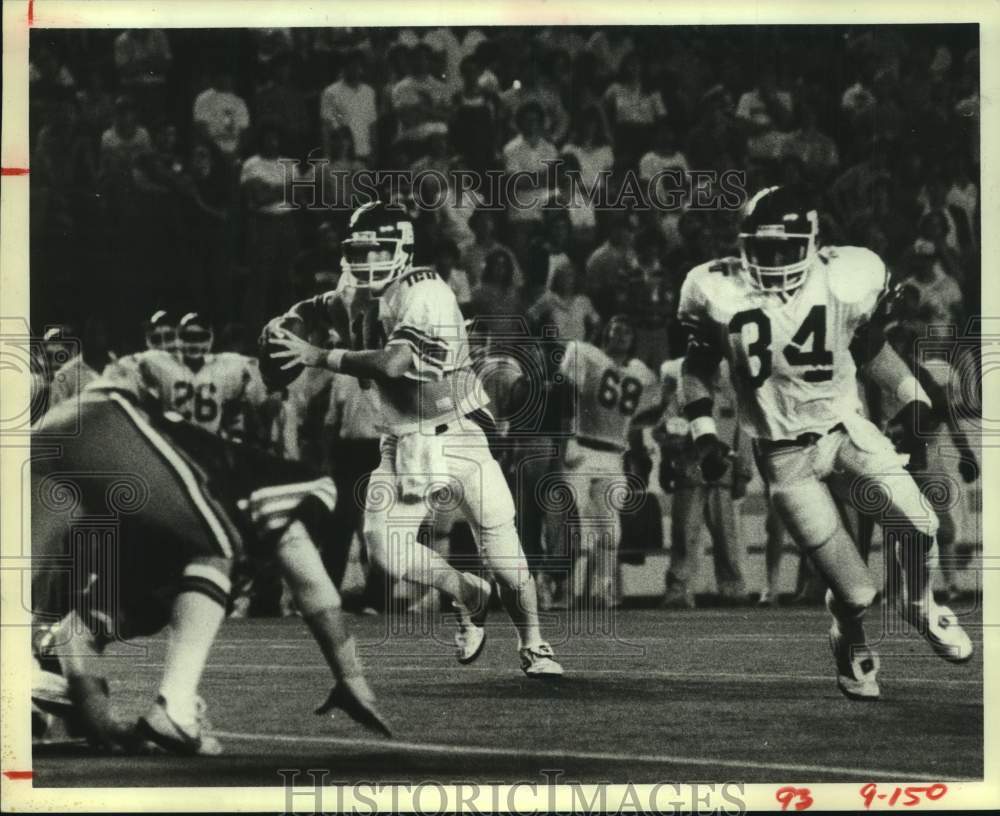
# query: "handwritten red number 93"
{"points": [[789, 794]]}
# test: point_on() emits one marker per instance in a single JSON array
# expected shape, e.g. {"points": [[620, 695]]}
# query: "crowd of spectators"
{"points": [[157, 174]]}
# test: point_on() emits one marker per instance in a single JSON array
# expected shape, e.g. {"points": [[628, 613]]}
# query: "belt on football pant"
{"points": [[599, 445], [482, 418], [801, 441]]}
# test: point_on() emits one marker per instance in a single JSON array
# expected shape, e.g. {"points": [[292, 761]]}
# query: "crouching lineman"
{"points": [[434, 420], [179, 495], [791, 318]]}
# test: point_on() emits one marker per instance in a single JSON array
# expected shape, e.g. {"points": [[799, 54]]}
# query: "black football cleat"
{"points": [[354, 697]]}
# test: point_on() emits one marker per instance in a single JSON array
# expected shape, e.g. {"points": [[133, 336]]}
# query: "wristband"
{"points": [[334, 358], [910, 390], [702, 426]]}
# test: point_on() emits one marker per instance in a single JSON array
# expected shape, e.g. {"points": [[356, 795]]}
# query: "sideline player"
{"points": [[607, 387], [212, 390], [791, 318], [177, 493], [435, 424], [698, 504]]}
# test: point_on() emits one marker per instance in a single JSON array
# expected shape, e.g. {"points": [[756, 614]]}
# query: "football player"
{"points": [[791, 318], [160, 333], [607, 387], [82, 369], [411, 342], [214, 391], [696, 503], [935, 375], [184, 501]]}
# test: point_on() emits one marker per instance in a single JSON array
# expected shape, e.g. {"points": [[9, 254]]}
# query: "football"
{"points": [[276, 378]]}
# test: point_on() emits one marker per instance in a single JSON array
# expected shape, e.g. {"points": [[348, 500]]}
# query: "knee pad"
{"points": [[807, 511], [502, 551], [847, 575]]}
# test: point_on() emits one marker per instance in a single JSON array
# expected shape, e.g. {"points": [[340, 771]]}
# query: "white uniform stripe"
{"points": [[209, 573], [181, 468]]}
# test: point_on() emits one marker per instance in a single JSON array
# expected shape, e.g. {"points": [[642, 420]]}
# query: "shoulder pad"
{"points": [[730, 265], [854, 272], [671, 369], [640, 370]]}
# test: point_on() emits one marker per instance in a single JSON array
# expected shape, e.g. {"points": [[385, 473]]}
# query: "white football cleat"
{"points": [[471, 636], [538, 662], [941, 629], [159, 728], [857, 665], [469, 642]]}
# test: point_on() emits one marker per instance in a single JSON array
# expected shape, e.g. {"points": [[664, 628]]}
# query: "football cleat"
{"points": [[677, 597], [768, 599], [353, 696], [469, 642], [941, 629], [857, 664], [161, 729], [471, 635], [538, 662]]}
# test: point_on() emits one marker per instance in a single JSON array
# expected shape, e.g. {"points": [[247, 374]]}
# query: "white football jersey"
{"points": [[608, 395], [789, 355], [421, 312], [211, 397]]}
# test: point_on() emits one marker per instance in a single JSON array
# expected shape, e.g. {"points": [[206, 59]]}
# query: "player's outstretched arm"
{"points": [[387, 363]]}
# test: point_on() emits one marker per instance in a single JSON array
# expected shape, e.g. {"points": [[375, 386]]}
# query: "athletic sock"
{"points": [[917, 555], [338, 647], [196, 621]]}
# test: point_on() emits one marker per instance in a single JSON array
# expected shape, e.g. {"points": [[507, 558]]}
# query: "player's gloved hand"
{"points": [[916, 422], [713, 456], [968, 466]]}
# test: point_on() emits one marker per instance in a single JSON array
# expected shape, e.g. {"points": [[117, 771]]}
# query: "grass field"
{"points": [[710, 695]]}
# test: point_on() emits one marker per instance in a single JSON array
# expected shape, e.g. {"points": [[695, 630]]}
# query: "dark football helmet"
{"points": [[196, 337], [379, 245], [778, 237], [161, 332]]}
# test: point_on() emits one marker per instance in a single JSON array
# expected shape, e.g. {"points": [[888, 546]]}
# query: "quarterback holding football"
{"points": [[796, 321], [409, 339]]}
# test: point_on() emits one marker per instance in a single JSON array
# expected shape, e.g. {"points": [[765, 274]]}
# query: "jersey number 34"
{"points": [[818, 358]]}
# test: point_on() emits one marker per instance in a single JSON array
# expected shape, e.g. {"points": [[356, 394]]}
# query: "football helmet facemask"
{"points": [[778, 238], [378, 248], [196, 337], [161, 332]]}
